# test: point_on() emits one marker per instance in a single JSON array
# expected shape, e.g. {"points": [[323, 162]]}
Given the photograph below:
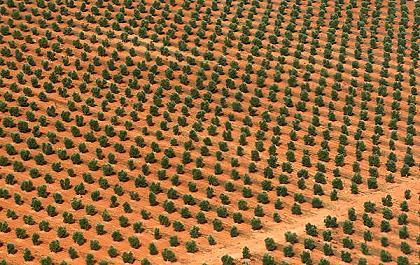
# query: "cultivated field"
{"points": [[209, 132]]}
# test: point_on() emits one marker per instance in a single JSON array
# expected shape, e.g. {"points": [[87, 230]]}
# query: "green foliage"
{"points": [[270, 244], [128, 257], [168, 255], [227, 260], [152, 249], [288, 251]]}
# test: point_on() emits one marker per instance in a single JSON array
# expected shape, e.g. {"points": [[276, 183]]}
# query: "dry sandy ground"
{"points": [[255, 240]]}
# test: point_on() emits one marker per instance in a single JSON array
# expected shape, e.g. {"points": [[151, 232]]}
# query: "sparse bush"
{"points": [[168, 255], [227, 260], [288, 251], [270, 245]]}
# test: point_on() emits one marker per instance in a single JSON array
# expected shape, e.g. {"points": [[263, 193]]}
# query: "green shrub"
{"points": [[128, 257], [191, 246], [288, 251], [227, 260], [168, 255], [270, 244], [152, 249]]}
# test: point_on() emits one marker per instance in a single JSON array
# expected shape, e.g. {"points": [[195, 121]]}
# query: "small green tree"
{"points": [[174, 241], [348, 227], [227, 260], [403, 260], [73, 253], [152, 249], [128, 257], [346, 256], [11, 248], [112, 252], [296, 209], [309, 243], [385, 256], [405, 248], [291, 237], [55, 246], [78, 238], [311, 229], [288, 251], [246, 253], [211, 240], [270, 244], [168, 255], [191, 246], [305, 258], [134, 242], [27, 255], [256, 223]]}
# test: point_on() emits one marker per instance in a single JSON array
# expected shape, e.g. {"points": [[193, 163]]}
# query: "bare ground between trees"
{"points": [[254, 240]]}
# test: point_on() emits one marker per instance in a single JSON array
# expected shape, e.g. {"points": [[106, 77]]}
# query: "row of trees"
{"points": [[249, 98]]}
